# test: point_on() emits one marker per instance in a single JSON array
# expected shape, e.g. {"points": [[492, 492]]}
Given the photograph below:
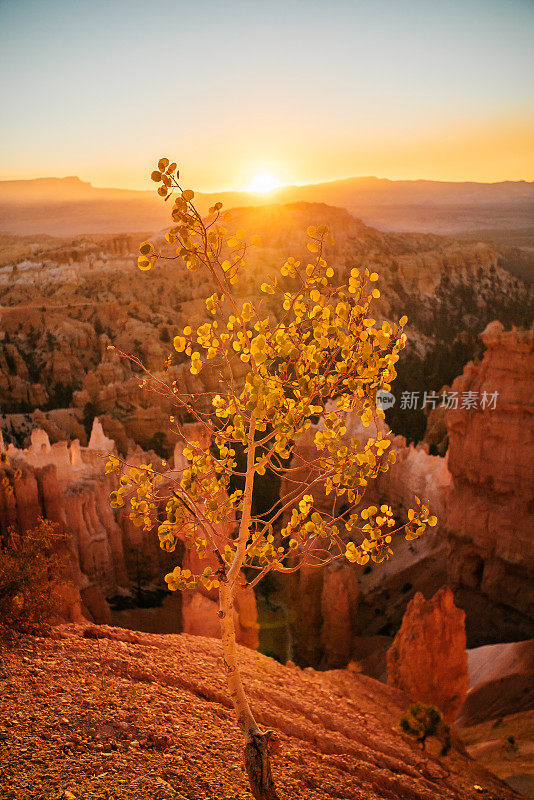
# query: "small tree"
{"points": [[322, 357]]}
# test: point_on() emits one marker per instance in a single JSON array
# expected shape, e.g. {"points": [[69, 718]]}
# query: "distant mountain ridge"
{"points": [[69, 206], [368, 187]]}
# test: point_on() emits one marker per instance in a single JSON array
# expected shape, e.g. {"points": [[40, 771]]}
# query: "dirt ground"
{"points": [[109, 714]]}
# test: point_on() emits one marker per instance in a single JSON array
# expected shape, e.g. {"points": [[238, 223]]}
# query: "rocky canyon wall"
{"points": [[481, 491], [490, 509], [333, 607], [107, 554]]}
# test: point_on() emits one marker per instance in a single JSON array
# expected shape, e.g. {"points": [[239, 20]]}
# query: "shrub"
{"points": [[422, 721], [30, 569]]}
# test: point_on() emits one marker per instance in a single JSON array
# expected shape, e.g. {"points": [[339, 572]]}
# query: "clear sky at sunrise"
{"points": [[307, 91]]}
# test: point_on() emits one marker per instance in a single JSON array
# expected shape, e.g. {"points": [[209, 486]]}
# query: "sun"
{"points": [[263, 183]]}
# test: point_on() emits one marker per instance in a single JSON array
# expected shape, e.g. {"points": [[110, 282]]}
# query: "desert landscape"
{"points": [[267, 451]]}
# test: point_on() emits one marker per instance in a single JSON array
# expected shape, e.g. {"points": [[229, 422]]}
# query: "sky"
{"points": [[306, 91]]}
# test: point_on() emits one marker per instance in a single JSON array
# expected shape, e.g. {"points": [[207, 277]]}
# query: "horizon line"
{"points": [[279, 188]]}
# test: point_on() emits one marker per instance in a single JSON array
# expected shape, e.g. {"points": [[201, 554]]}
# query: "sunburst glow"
{"points": [[263, 182]]}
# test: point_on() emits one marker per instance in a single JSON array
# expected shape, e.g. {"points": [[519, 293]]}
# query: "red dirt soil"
{"points": [[107, 714]]}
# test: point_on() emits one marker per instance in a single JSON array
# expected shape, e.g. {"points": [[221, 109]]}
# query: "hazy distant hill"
{"points": [[69, 206], [493, 211]]}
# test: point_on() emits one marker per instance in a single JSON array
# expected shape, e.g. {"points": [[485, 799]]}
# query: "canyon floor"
{"points": [[103, 713]]}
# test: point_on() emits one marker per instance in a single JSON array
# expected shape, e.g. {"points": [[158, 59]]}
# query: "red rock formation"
{"points": [[107, 552], [306, 590], [339, 605], [428, 658], [482, 494], [75, 497], [51, 495], [199, 615], [247, 615], [200, 608], [27, 503], [96, 534], [8, 507], [69, 605], [26, 494], [490, 513], [94, 605], [325, 604]]}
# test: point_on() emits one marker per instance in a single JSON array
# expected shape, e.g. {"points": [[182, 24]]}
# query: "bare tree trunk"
{"points": [[257, 744]]}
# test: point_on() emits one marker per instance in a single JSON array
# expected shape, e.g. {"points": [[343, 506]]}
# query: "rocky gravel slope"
{"points": [[104, 713]]}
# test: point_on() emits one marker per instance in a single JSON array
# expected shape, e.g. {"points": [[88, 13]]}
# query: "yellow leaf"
{"points": [[145, 264]]}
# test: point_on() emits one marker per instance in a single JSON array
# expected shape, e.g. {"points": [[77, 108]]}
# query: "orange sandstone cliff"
{"points": [[490, 509], [107, 554], [428, 658]]}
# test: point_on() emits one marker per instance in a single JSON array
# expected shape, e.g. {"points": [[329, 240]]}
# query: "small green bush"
{"points": [[422, 721]]}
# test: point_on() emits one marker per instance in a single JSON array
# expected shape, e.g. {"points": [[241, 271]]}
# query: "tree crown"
{"points": [[310, 350]]}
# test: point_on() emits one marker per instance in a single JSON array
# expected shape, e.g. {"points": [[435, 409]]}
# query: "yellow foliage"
{"points": [[322, 356]]}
